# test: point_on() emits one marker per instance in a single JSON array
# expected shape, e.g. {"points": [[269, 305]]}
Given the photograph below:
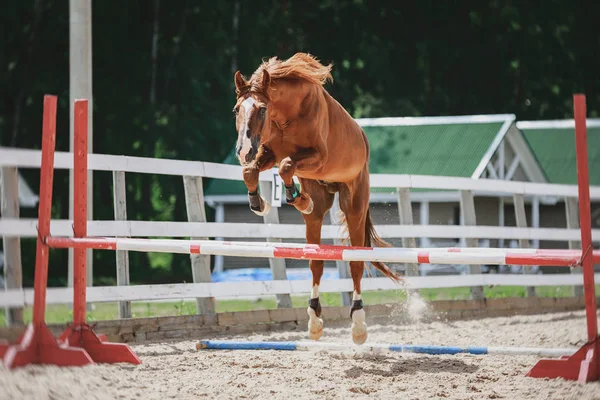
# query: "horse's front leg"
{"points": [[264, 160], [308, 160]]}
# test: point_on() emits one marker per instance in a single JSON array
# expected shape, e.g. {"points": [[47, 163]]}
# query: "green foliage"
{"points": [[420, 58]]}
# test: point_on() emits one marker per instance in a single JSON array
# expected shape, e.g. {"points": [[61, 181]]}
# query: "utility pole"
{"points": [[80, 87]]}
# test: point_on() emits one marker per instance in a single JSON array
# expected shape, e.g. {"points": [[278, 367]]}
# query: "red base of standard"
{"points": [[97, 346], [38, 346], [73, 348], [583, 366], [4, 345]]}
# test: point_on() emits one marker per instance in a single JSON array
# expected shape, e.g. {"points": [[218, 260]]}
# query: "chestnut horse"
{"points": [[285, 117]]}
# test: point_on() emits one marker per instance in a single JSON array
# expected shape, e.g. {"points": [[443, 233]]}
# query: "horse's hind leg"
{"points": [[355, 204], [314, 221]]}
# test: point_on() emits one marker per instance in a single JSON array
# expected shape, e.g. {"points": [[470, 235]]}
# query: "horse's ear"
{"points": [[240, 82], [266, 79]]}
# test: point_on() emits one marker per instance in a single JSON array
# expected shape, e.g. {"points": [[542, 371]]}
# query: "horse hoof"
{"points": [[266, 207], [359, 338], [315, 329], [315, 324], [359, 327], [310, 207]]}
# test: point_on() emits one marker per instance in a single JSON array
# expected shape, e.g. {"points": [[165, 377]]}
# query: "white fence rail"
{"points": [[233, 290], [26, 228], [104, 162]]}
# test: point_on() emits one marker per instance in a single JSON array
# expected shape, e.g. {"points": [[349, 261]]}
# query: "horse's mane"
{"points": [[300, 66]]}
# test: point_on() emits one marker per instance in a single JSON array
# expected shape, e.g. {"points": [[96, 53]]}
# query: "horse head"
{"points": [[251, 115]]}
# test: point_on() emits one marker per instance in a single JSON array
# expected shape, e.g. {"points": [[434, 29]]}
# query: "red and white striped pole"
{"points": [[493, 256]]}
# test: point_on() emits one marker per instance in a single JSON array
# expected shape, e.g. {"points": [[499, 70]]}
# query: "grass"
{"points": [[58, 313]]}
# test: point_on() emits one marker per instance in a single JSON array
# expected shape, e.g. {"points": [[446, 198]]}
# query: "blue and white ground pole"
{"points": [[382, 348]]}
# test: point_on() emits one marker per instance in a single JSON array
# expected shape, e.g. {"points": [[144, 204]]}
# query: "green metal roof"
{"points": [[442, 150], [555, 152]]}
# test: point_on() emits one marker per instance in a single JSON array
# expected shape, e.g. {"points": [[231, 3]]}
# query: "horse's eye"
{"points": [[262, 112]]}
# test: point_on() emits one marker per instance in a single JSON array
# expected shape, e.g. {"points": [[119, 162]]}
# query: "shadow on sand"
{"points": [[389, 367]]}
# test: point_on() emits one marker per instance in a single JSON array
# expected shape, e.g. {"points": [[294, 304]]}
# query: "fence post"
{"points": [[521, 218], [406, 218], [572, 214], [343, 267], [194, 203], [13, 269], [467, 210], [277, 265], [122, 256]]}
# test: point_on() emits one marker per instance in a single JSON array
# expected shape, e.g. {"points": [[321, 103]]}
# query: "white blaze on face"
{"points": [[246, 143]]}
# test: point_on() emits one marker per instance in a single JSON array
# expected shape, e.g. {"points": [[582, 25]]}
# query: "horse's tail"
{"points": [[372, 238]]}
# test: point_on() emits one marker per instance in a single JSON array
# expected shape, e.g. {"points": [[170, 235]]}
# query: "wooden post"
{"points": [[535, 218], [42, 251], [343, 267], [80, 182], [585, 222], [80, 87], [122, 256], [521, 218], [219, 217], [406, 218], [572, 214], [13, 269], [277, 265], [501, 175], [467, 209], [194, 203], [424, 220]]}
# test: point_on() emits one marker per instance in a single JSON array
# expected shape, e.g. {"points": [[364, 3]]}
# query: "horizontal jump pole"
{"points": [[491, 256], [382, 348]]}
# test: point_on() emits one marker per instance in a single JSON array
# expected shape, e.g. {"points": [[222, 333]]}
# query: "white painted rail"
{"points": [[27, 228], [231, 290], [102, 162], [439, 120]]}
